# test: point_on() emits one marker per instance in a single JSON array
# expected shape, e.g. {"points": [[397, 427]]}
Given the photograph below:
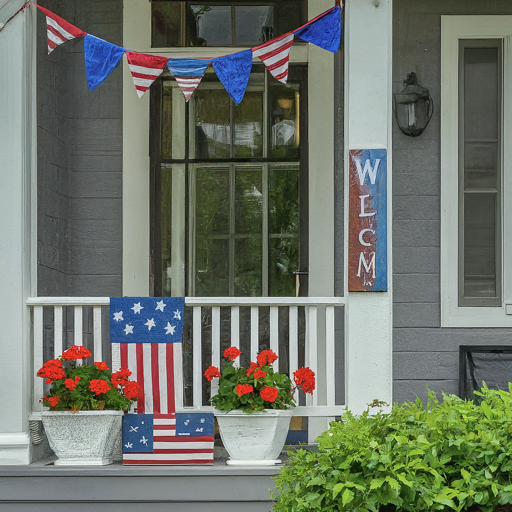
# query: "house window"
{"points": [[480, 150], [230, 187], [249, 23], [476, 173]]}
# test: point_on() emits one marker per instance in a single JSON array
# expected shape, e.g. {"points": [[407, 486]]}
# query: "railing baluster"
{"points": [[330, 354], [178, 375], [255, 321], [274, 331], [98, 348], [197, 358], [79, 326], [57, 330], [235, 326], [311, 350], [215, 345], [293, 342], [38, 358]]}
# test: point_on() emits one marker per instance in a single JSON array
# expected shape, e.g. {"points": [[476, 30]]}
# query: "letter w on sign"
{"points": [[146, 335]]}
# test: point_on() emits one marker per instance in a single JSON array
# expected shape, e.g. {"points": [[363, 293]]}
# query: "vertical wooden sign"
{"points": [[367, 240]]}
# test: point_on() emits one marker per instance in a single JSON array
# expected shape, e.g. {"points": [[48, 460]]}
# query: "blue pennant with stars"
{"points": [[146, 319]]}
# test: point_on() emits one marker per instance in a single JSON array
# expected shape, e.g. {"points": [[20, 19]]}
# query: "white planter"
{"points": [[83, 438], [254, 439]]}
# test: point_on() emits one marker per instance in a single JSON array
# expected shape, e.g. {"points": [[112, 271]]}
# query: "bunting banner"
{"points": [[101, 58], [275, 54], [59, 30], [188, 73], [324, 31], [234, 71], [145, 69]]}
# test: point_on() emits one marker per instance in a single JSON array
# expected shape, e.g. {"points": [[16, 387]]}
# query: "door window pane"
{"points": [[212, 25], [254, 24], [166, 198], [212, 201], [212, 267], [248, 201], [248, 272], [166, 24], [248, 121], [284, 105]]}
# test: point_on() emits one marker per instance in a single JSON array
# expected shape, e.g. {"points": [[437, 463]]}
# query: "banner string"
{"points": [[2, 26]]}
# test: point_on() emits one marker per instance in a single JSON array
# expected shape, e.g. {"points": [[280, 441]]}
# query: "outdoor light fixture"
{"points": [[413, 107]]}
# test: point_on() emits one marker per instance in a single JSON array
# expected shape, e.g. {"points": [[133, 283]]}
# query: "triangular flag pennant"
{"points": [[145, 69], [58, 30], [101, 58], [275, 54], [188, 73], [234, 71], [323, 31]]}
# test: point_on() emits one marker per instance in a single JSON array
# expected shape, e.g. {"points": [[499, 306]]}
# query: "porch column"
{"points": [[368, 118], [17, 151]]}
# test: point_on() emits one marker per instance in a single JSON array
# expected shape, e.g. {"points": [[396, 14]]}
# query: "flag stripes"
{"points": [[154, 367], [188, 73], [275, 54], [145, 69]]}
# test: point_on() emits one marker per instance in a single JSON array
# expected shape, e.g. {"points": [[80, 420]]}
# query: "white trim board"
{"points": [[454, 28]]}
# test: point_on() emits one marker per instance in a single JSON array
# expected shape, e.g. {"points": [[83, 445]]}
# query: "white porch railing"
{"points": [[309, 339]]}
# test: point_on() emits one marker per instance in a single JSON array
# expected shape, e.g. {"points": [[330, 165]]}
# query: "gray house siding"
{"points": [[79, 159], [423, 352]]}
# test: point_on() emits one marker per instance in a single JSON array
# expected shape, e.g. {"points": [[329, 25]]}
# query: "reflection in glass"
{"points": [[212, 267], [213, 25], [480, 165], [248, 201], [284, 121], [212, 201], [166, 24], [248, 121], [213, 127], [254, 24], [248, 253], [167, 121], [480, 245], [166, 235]]}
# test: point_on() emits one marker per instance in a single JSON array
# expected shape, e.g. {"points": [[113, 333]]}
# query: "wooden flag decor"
{"points": [[146, 335], [367, 249]]}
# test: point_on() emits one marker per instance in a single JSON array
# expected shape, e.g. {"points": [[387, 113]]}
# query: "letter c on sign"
{"points": [[361, 234]]}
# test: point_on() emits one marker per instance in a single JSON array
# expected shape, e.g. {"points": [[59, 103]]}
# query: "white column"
{"points": [[17, 205], [368, 118]]}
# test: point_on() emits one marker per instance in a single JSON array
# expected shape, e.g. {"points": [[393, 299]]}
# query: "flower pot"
{"points": [[83, 438], [254, 439]]}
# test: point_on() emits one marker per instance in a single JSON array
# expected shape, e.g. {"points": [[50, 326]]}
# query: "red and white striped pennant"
{"points": [[59, 30], [275, 54], [145, 69]]}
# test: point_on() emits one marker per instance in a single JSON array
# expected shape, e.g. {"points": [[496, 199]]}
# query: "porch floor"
{"points": [[43, 487]]}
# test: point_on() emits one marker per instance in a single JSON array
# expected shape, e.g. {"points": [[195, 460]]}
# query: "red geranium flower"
{"points": [[76, 352], [53, 400], [244, 389], [260, 374], [212, 372], [305, 379], [71, 384], [121, 377], [51, 372], [49, 381], [99, 386], [231, 353], [101, 365], [131, 390], [266, 356], [269, 394], [52, 362], [251, 369]]}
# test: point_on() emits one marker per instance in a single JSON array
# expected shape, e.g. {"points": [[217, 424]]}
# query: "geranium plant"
{"points": [[86, 387], [257, 387]]}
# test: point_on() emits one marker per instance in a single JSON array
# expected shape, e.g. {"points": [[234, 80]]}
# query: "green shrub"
{"points": [[449, 455]]}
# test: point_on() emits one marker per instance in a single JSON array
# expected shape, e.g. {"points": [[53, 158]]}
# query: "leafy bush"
{"points": [[450, 455]]}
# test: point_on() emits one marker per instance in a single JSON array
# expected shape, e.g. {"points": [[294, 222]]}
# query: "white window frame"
{"points": [[453, 29], [136, 165]]}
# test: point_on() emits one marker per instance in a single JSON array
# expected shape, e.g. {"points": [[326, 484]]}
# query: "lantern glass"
{"points": [[413, 107]]}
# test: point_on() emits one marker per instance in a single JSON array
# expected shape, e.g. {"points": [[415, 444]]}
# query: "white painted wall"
{"points": [[17, 230], [368, 117]]}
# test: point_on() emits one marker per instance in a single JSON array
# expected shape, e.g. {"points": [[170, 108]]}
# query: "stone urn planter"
{"points": [[84, 438], [254, 439]]}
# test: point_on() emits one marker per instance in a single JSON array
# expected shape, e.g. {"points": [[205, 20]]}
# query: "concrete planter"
{"points": [[85, 438], [254, 439]]}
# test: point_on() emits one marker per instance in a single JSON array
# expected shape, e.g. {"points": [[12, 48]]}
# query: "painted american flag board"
{"points": [[146, 335], [367, 239]]}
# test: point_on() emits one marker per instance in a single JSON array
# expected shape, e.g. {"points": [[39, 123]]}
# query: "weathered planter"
{"points": [[254, 439], [85, 438]]}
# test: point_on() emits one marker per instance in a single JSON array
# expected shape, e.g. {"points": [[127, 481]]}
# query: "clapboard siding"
{"points": [[424, 353]]}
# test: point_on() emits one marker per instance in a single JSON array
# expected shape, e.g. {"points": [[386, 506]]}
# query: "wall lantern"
{"points": [[413, 107]]}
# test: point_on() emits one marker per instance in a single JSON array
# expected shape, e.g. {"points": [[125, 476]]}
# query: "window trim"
{"points": [[453, 29]]}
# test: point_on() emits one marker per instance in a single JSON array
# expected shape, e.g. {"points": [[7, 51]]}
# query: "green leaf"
{"points": [[347, 497], [337, 489]]}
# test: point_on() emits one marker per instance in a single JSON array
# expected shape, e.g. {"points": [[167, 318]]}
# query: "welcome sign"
{"points": [[367, 249]]}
